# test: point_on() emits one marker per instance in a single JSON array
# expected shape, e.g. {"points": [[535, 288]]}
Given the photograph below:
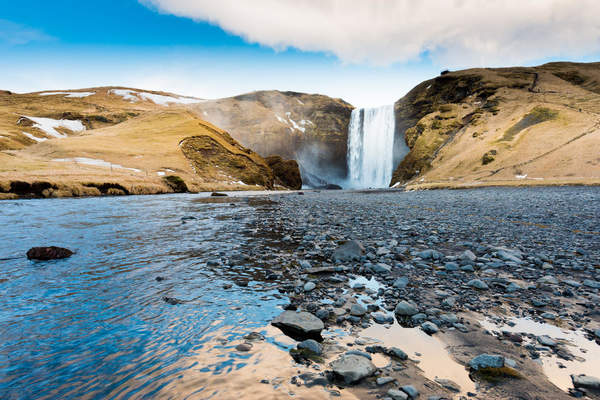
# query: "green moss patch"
{"points": [[496, 375], [534, 117]]}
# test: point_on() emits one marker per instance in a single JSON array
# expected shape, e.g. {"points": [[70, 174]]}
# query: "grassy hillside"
{"points": [[505, 126], [312, 129], [111, 144]]}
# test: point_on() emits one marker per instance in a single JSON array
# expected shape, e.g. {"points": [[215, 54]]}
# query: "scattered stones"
{"points": [[352, 368], [48, 253]]}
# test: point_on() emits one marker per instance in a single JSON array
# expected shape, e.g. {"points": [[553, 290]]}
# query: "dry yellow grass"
{"points": [[141, 145], [559, 145]]}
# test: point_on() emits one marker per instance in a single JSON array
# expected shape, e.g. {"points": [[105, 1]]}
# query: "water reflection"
{"points": [[95, 326], [429, 351], [558, 371]]}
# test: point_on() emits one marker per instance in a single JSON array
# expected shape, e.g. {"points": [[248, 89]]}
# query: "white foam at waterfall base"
{"points": [[371, 147]]}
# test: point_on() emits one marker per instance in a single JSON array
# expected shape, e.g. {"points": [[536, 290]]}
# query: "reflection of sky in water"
{"points": [[94, 325], [434, 359], [586, 351]]}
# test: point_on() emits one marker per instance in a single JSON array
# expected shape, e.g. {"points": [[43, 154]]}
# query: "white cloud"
{"points": [[16, 34], [454, 33]]}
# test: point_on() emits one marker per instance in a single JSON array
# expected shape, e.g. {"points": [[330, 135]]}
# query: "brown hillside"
{"points": [[127, 147], [538, 125]]}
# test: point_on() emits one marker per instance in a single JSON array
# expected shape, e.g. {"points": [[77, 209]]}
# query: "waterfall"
{"points": [[371, 147]]}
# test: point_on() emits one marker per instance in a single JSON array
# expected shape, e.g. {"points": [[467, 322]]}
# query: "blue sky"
{"points": [[168, 45]]}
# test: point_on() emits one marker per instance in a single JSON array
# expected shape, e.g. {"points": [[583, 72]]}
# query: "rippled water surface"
{"points": [[95, 325]]}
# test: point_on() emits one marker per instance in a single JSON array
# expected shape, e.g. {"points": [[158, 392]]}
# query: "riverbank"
{"points": [[173, 296]]}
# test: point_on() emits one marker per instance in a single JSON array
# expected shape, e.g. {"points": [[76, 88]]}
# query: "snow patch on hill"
{"points": [[163, 100], [49, 125], [69, 94], [94, 162]]}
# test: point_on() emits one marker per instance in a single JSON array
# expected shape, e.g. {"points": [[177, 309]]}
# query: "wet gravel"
{"points": [[441, 257]]}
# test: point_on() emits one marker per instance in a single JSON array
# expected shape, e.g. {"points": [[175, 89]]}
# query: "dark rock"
{"points": [[48, 253]]}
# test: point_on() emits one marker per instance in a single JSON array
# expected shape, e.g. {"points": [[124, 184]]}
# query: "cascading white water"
{"points": [[371, 147]]}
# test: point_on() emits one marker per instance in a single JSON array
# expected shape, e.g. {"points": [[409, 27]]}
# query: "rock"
{"points": [[308, 286], [548, 315], [486, 361], [352, 368], [380, 268], [302, 325], [311, 345], [405, 309], [244, 347], [507, 255], [172, 301], [398, 353], [397, 394], [400, 283], [430, 255], [591, 284], [597, 333], [448, 384], [411, 391], [451, 266], [218, 194], [546, 340], [383, 318], [254, 337], [468, 256], [358, 310], [304, 264], [429, 327], [548, 279], [48, 253], [349, 251], [478, 284], [384, 380], [286, 172], [586, 382]]}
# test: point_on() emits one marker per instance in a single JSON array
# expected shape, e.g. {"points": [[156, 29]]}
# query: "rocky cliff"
{"points": [[309, 128], [538, 125]]}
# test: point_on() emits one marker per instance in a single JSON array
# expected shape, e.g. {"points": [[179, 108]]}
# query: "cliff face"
{"points": [[502, 126], [111, 141], [312, 129]]}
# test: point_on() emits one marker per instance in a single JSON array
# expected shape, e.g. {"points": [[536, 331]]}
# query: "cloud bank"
{"points": [[452, 33]]}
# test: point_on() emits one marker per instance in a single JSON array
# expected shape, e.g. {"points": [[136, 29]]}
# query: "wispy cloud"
{"points": [[15, 34], [455, 33]]}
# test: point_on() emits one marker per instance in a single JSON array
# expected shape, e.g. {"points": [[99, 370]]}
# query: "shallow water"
{"points": [[430, 352], [95, 325], [586, 352]]}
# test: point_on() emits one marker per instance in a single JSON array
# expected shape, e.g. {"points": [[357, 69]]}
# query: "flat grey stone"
{"points": [[352, 368], [349, 251], [299, 322], [486, 361], [405, 309]]}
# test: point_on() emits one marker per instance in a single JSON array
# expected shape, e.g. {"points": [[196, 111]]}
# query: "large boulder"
{"points": [[48, 253], [349, 251], [287, 172], [353, 367], [299, 325]]}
